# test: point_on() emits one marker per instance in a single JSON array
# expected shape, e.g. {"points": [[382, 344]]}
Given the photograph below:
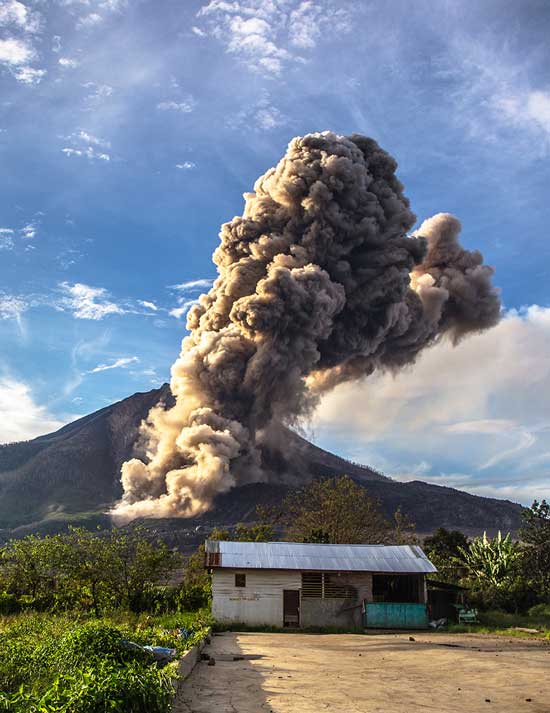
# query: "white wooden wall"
{"points": [[259, 603]]}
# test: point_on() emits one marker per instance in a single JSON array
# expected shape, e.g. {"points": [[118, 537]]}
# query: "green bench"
{"points": [[465, 615]]}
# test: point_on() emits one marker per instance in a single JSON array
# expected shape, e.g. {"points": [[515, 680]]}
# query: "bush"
{"points": [[540, 611], [9, 604], [61, 665]]}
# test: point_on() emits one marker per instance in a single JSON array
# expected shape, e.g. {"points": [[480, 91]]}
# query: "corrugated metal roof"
{"points": [[408, 559]]}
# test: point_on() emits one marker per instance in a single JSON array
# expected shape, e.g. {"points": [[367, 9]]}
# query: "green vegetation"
{"points": [[81, 665], [338, 510], [71, 602], [508, 581]]}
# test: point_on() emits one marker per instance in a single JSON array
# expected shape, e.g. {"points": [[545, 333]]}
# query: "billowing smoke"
{"points": [[319, 283]]}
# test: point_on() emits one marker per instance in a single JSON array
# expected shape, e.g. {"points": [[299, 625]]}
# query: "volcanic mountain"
{"points": [[73, 475]]}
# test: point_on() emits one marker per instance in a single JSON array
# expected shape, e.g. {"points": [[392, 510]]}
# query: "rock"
{"points": [[411, 638], [211, 661]]}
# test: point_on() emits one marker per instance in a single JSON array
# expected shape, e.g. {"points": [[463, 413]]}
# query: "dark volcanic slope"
{"points": [[77, 470]]}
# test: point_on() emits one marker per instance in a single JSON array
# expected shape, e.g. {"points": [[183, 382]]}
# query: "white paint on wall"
{"points": [[259, 603]]}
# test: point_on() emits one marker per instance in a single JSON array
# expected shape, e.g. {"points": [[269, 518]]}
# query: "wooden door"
{"points": [[291, 608]]}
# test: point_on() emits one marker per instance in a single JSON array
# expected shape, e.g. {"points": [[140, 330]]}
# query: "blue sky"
{"points": [[129, 131]]}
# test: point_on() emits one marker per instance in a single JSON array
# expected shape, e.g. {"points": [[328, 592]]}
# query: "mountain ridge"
{"points": [[73, 474]]}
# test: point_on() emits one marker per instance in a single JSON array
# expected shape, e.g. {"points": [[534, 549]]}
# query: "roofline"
{"points": [[317, 569], [308, 544]]}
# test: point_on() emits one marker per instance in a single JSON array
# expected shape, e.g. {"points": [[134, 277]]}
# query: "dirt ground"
{"points": [[307, 673]]}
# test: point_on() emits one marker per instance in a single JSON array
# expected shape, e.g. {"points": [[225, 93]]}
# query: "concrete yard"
{"points": [[308, 673]]}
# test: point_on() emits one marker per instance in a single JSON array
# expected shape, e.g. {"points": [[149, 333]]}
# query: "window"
{"points": [[240, 580], [312, 585], [325, 585]]}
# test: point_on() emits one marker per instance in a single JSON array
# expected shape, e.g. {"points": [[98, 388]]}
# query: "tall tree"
{"points": [[443, 549], [535, 533], [334, 510]]}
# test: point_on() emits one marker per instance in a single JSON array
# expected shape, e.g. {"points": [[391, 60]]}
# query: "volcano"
{"points": [[73, 475]]}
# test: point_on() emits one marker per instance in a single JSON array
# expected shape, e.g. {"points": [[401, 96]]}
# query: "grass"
{"points": [[78, 664], [504, 624]]}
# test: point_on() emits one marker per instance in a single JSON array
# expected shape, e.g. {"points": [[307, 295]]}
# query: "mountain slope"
{"points": [[76, 470]]}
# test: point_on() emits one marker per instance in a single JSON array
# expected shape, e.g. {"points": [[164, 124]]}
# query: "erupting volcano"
{"points": [[319, 283]]}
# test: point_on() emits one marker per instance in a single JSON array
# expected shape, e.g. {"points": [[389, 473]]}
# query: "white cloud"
{"points": [[185, 107], [6, 239], [192, 285], [56, 43], [530, 109], [12, 307], [148, 305], [263, 115], [479, 409], [121, 363], [29, 75], [88, 152], [495, 94], [89, 21], [88, 302], [87, 145], [68, 62], [15, 52], [28, 232], [263, 35], [185, 306], [18, 15], [99, 91], [22, 418], [186, 165]]}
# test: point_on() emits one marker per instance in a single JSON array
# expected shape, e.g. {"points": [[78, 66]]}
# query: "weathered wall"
{"points": [[259, 603], [339, 612], [330, 612]]}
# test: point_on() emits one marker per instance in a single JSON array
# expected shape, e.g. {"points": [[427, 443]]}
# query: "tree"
{"points": [[443, 549], [140, 564], [535, 533], [334, 510], [257, 532], [491, 561]]}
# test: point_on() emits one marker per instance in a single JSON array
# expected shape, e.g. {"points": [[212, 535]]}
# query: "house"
{"points": [[291, 584]]}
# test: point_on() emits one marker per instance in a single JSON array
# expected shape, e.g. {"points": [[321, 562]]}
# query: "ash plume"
{"points": [[319, 283]]}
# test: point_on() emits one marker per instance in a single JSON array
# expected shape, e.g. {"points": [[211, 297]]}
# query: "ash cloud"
{"points": [[319, 283]]}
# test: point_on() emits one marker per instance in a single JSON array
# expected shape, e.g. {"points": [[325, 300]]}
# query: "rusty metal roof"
{"points": [[405, 559]]}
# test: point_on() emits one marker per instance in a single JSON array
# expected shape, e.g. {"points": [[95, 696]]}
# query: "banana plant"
{"points": [[490, 560]]}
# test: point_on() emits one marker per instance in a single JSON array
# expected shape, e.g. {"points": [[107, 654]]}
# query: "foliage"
{"points": [[83, 570], [443, 549], [338, 510], [536, 536], [490, 561], [66, 665]]}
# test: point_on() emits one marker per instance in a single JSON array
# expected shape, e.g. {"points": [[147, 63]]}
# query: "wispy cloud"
{"points": [[191, 285], [28, 232], [267, 36], [186, 165], [87, 22], [88, 302], [68, 62], [88, 146], [121, 363], [6, 239], [185, 107], [148, 305], [184, 307]]}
